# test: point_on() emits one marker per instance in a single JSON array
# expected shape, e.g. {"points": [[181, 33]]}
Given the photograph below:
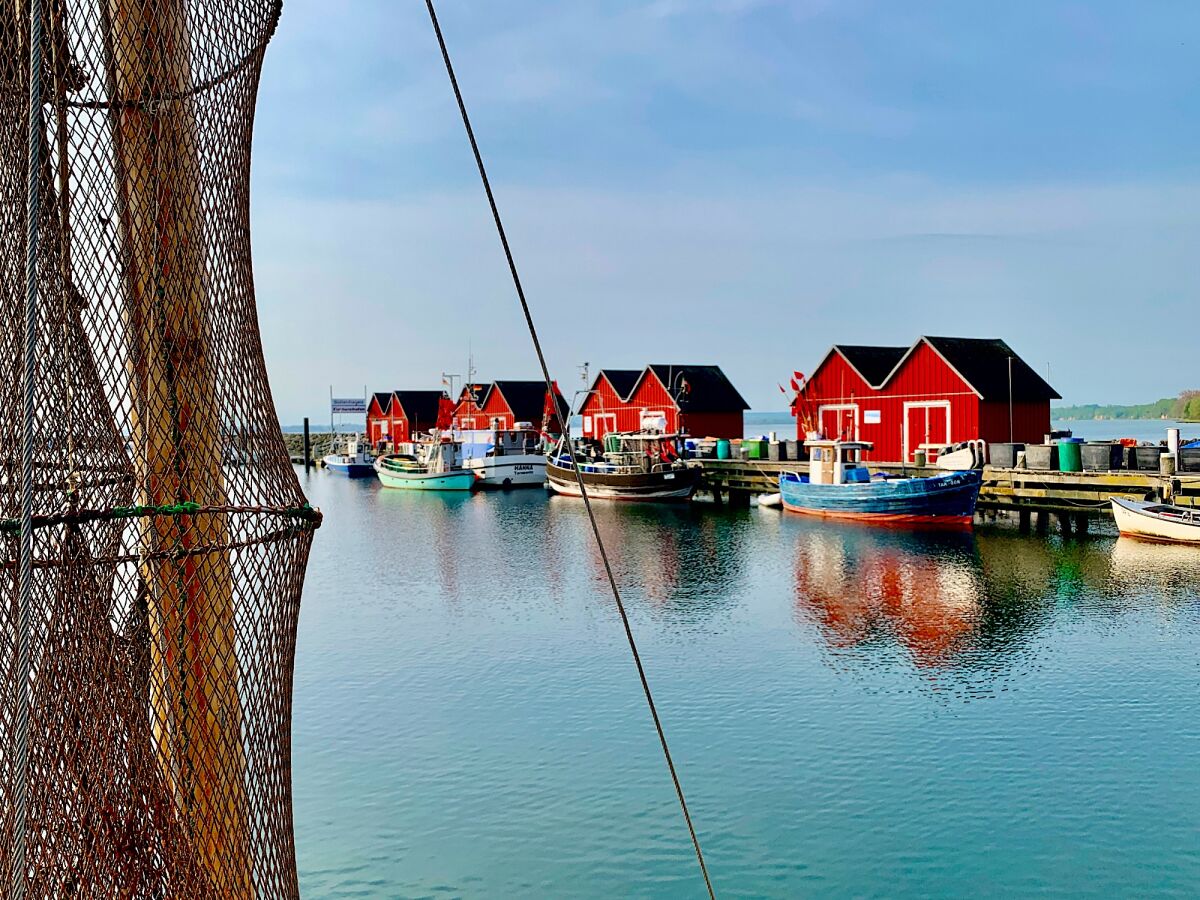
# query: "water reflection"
{"points": [[687, 563], [923, 590]]}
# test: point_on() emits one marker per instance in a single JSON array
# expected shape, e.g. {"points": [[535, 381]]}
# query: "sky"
{"points": [[739, 182]]}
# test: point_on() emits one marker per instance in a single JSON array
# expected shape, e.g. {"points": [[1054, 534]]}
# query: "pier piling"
{"points": [[307, 447]]}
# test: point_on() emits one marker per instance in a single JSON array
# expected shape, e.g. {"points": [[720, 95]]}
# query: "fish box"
{"points": [[1004, 455], [1101, 456], [757, 449], [1189, 459], [1041, 456], [776, 451], [1146, 458], [795, 450]]}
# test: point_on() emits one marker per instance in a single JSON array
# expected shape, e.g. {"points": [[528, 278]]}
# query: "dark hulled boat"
{"points": [[631, 466]]}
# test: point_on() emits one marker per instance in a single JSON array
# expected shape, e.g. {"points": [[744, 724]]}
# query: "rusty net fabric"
{"points": [[171, 534]]}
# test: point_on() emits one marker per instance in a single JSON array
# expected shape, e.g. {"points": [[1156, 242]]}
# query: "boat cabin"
{"points": [[837, 462]]}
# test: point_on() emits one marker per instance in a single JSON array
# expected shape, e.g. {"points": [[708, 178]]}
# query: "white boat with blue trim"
{"points": [[353, 459]]}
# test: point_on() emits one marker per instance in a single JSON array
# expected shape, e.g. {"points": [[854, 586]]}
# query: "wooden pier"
{"points": [[1024, 490]]}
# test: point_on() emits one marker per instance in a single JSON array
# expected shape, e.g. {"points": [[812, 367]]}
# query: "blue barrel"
{"points": [[723, 449]]}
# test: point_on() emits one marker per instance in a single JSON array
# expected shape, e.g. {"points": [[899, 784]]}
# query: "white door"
{"points": [[926, 422], [839, 421]]}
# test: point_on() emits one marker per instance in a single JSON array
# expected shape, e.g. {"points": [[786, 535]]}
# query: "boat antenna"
{"points": [[537, 346]]}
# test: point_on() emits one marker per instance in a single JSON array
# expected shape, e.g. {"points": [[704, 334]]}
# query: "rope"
{"points": [[25, 584], [537, 346]]}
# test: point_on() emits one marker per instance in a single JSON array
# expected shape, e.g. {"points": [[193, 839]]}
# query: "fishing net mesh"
{"points": [[171, 534]]}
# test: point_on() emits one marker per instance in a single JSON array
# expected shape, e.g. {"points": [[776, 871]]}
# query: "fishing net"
{"points": [[171, 534]]}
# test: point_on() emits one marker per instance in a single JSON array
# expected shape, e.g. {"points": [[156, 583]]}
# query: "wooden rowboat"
{"points": [[1157, 521]]}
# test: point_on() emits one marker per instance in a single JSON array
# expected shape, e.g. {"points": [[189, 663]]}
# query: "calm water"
{"points": [[855, 712]]}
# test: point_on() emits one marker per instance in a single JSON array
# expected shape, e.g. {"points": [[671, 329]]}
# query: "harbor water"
{"points": [[854, 711]]}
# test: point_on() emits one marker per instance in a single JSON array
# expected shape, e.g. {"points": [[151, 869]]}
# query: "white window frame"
{"points": [[606, 417], [839, 407], [926, 405]]}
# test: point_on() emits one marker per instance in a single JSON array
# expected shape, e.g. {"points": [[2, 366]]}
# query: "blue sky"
{"points": [[740, 182]]}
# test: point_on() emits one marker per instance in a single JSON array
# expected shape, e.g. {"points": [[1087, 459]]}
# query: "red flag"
{"points": [[795, 386], [445, 415], [782, 390], [799, 376]]}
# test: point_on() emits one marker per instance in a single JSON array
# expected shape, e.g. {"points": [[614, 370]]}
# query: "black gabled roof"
{"points": [[708, 388], [527, 399], [874, 364], [384, 399], [983, 364], [419, 406], [622, 380]]}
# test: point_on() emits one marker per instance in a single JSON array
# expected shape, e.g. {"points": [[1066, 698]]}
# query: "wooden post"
{"points": [[1064, 524], [1043, 521], [176, 438], [1023, 517], [307, 447], [1081, 523]]}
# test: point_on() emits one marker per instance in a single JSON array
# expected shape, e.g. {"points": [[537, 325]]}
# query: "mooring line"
{"points": [[587, 504], [20, 797]]}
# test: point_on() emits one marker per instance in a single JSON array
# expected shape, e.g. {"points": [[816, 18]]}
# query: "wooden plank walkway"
{"points": [[1013, 489]]}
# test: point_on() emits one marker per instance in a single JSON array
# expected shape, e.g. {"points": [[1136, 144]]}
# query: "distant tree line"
{"points": [[1185, 407]]}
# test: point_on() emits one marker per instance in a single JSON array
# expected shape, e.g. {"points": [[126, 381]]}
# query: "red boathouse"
{"points": [[941, 390], [398, 415], [502, 404], [698, 400]]}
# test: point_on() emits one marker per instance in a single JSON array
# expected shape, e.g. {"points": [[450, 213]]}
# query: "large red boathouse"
{"points": [[941, 390]]}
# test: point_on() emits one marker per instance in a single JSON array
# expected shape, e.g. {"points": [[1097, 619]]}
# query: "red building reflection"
{"points": [[922, 590]]}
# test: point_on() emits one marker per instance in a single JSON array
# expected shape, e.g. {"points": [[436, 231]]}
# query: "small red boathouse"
{"points": [[941, 390], [698, 400], [502, 404], [398, 415]]}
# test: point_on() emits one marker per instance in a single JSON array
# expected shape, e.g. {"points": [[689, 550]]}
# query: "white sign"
{"points": [[871, 417], [348, 405]]}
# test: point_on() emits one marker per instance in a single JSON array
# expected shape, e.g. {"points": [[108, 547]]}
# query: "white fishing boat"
{"points": [[1157, 521], [505, 458], [431, 467]]}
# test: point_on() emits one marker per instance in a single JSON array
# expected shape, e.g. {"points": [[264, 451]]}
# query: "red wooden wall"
{"points": [[923, 378], [604, 411]]}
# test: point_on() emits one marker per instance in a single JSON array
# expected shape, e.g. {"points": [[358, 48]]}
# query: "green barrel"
{"points": [[723, 449], [1069, 456], [756, 449]]}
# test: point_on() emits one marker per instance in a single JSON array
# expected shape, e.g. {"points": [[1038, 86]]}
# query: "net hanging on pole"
{"points": [[170, 532]]}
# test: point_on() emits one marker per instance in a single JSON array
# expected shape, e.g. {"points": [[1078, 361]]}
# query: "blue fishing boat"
{"points": [[840, 486]]}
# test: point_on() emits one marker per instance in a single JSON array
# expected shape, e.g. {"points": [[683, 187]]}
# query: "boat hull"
{"points": [[1138, 520], [942, 500], [446, 481], [524, 470], [657, 487], [350, 470]]}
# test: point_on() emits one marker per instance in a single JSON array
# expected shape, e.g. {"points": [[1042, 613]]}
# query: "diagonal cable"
{"points": [[537, 346]]}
